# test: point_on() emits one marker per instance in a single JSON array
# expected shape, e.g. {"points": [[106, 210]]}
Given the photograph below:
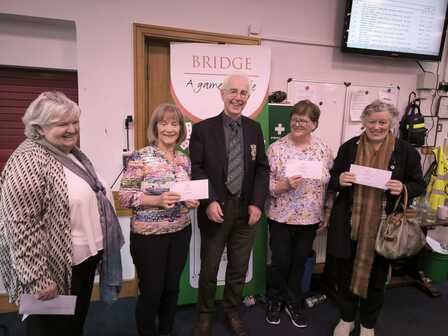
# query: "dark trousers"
{"points": [[291, 245], [83, 276], [238, 236], [370, 307], [159, 261]]}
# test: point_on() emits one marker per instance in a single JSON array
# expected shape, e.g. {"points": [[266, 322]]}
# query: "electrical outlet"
{"points": [[439, 127], [126, 156]]}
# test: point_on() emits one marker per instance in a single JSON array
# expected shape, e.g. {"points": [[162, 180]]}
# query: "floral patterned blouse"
{"points": [[149, 172], [303, 205]]}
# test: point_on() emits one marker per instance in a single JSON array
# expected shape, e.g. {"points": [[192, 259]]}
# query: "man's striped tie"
{"points": [[235, 162]]}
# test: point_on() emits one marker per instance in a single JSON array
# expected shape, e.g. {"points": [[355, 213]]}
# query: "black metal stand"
{"points": [[412, 275], [408, 274]]}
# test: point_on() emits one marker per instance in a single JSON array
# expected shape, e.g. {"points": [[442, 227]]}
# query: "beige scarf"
{"points": [[366, 212]]}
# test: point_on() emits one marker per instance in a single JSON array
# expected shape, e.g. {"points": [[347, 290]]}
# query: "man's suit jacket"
{"points": [[208, 156]]}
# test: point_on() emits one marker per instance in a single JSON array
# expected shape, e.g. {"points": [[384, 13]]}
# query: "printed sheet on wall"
{"points": [[357, 98]]}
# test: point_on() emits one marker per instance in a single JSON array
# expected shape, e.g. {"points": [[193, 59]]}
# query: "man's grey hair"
{"points": [[228, 79]]}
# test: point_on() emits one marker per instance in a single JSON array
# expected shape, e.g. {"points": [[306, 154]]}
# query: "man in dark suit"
{"points": [[228, 150]]}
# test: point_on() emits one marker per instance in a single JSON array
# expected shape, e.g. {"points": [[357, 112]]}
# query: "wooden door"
{"points": [[158, 68]]}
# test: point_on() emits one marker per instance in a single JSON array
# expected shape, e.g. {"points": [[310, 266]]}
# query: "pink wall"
{"points": [[105, 61], [36, 42]]}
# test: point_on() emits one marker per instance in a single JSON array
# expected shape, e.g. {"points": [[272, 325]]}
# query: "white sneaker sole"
{"points": [[273, 322], [294, 322]]}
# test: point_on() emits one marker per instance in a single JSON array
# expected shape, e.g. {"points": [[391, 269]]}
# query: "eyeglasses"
{"points": [[300, 121], [234, 92]]}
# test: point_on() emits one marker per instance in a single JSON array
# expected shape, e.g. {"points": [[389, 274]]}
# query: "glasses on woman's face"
{"points": [[300, 121]]}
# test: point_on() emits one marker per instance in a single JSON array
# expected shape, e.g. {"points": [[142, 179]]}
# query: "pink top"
{"points": [[303, 205], [87, 236], [150, 173]]}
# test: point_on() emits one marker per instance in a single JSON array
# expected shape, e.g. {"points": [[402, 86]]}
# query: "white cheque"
{"points": [[191, 190], [306, 169], [371, 177], [60, 305]]}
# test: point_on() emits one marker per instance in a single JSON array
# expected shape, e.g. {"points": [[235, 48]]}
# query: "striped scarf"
{"points": [[367, 211]]}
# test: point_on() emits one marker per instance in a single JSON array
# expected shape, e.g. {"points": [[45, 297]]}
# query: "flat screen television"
{"points": [[399, 28]]}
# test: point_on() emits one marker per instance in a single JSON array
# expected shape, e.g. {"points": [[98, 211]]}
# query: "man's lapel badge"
{"points": [[253, 151]]}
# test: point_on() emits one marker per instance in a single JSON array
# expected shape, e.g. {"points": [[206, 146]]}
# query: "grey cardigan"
{"points": [[35, 233]]}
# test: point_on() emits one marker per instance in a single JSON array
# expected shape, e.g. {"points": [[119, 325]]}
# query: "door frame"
{"points": [[143, 33]]}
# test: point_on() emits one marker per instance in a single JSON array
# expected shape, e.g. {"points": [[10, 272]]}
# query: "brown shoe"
{"points": [[236, 324], [203, 326]]}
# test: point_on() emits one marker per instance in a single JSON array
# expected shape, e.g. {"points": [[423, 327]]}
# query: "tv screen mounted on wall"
{"points": [[399, 28]]}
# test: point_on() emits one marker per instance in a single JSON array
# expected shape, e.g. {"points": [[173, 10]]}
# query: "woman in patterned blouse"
{"points": [[294, 210], [160, 225]]}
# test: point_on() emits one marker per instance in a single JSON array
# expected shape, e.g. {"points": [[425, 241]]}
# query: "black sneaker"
{"points": [[297, 318], [273, 313]]}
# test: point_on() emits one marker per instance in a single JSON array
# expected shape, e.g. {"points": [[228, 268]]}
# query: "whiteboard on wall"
{"points": [[330, 97], [357, 98]]}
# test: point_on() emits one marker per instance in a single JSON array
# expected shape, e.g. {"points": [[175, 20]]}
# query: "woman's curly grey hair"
{"points": [[48, 108], [380, 106]]}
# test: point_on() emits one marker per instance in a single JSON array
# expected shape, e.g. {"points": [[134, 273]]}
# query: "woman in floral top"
{"points": [[295, 210], [160, 225]]}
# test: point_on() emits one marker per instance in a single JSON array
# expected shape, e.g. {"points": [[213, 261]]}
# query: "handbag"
{"points": [[399, 235]]}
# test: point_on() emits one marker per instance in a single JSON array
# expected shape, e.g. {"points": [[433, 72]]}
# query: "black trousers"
{"points": [[291, 246], [83, 276], [238, 236], [159, 261], [349, 303]]}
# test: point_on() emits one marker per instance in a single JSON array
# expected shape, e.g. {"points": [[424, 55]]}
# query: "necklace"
{"points": [[169, 154]]}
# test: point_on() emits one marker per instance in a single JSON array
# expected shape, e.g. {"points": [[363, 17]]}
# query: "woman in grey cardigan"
{"points": [[56, 222]]}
